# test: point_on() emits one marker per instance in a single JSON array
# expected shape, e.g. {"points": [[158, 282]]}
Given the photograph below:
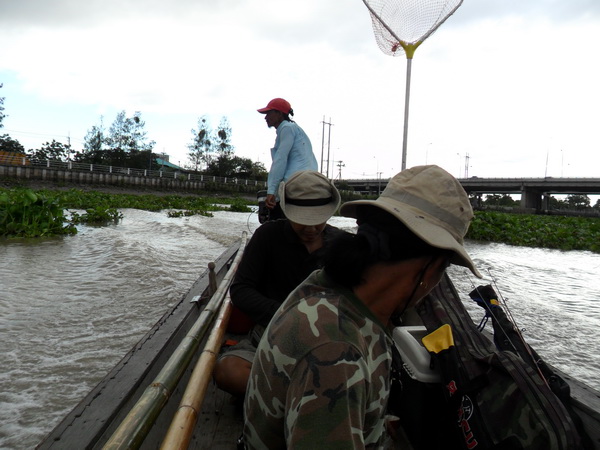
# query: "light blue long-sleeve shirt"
{"points": [[292, 152]]}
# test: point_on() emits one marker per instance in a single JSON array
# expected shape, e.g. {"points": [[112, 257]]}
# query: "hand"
{"points": [[270, 201]]}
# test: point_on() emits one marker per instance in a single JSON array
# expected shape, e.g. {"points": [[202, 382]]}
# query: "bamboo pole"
{"points": [[134, 428], [182, 427]]}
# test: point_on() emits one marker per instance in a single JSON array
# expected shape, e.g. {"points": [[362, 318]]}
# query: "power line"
{"points": [[32, 133]]}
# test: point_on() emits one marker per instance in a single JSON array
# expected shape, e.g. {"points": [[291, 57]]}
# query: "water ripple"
{"points": [[71, 307]]}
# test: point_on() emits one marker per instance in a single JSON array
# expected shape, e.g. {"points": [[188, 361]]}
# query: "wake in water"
{"points": [[71, 307]]}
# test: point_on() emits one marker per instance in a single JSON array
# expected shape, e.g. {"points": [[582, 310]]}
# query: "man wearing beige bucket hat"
{"points": [[322, 368], [279, 256]]}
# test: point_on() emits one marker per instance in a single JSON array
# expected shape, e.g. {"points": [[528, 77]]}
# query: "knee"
{"points": [[223, 368], [231, 374]]}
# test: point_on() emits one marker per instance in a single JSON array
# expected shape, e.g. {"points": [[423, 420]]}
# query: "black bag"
{"points": [[491, 398]]}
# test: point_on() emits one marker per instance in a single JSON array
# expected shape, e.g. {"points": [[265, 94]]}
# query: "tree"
{"points": [[94, 139], [236, 167], [258, 171], [597, 205], [2, 115], [343, 185], [554, 203], [222, 139], [128, 134], [201, 146], [578, 201], [124, 145], [9, 144], [500, 200], [223, 163], [93, 145], [53, 151]]}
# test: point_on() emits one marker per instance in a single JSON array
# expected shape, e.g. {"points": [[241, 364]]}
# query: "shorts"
{"points": [[243, 349], [246, 348]]}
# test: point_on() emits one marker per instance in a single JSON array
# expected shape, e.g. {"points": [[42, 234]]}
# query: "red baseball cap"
{"points": [[277, 104]]}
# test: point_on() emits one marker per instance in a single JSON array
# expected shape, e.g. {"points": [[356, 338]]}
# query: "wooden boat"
{"points": [[160, 394]]}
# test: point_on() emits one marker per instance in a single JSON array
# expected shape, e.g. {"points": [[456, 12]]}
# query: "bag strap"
{"points": [[443, 306]]}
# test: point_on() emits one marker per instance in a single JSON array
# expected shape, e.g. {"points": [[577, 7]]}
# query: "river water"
{"points": [[71, 307]]}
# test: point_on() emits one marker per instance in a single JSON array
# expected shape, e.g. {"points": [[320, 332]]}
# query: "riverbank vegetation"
{"points": [[24, 213], [28, 213], [559, 232]]}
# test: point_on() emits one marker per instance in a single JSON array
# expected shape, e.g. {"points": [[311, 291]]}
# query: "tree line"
{"points": [[125, 144], [577, 202]]}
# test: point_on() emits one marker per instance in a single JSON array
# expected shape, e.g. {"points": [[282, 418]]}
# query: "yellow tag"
{"points": [[440, 339]]}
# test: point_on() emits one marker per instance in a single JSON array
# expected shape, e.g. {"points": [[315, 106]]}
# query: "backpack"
{"points": [[485, 396]]}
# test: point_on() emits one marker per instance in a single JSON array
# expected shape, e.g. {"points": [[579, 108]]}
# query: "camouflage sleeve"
{"points": [[327, 399]]}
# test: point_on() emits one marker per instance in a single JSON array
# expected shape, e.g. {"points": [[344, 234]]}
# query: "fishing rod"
{"points": [[497, 308]]}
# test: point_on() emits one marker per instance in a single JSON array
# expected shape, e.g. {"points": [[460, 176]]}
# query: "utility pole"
{"points": [[328, 145], [322, 144], [340, 164], [466, 165]]}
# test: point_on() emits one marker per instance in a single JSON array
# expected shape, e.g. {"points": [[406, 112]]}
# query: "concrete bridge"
{"points": [[534, 191]]}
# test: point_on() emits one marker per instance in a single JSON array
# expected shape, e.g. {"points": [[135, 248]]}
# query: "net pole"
{"points": [[406, 108]]}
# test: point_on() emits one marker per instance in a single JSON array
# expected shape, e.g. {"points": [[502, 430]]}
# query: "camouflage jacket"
{"points": [[321, 373]]}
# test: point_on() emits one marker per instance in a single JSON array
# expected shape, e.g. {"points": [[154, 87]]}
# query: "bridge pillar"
{"points": [[531, 199], [546, 201]]}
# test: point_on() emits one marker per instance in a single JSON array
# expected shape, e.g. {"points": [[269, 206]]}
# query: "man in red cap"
{"points": [[292, 151]]}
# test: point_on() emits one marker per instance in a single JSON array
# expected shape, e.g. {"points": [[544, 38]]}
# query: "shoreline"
{"points": [[112, 189]]}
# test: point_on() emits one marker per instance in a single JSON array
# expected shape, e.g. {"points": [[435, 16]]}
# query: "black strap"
{"points": [[308, 201]]}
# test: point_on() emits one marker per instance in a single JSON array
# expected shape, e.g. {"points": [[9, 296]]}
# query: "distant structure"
{"points": [[165, 164]]}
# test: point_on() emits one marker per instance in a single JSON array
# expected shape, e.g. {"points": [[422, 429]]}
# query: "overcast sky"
{"points": [[513, 84]]}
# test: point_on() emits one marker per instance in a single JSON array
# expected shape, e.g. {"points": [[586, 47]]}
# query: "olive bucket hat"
{"points": [[432, 204], [308, 198]]}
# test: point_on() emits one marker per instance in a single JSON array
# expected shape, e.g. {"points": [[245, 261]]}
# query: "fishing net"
{"points": [[400, 26]]}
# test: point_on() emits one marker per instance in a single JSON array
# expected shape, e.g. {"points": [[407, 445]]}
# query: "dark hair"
{"points": [[380, 237], [287, 116]]}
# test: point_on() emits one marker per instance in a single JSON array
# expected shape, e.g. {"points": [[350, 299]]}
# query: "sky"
{"points": [[504, 88]]}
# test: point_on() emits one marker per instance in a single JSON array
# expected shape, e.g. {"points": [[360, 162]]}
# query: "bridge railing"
{"points": [[127, 171]]}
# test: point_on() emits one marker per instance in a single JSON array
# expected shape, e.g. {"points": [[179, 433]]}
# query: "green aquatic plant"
{"points": [[78, 199], [28, 213], [188, 213], [97, 216], [559, 232], [25, 213], [239, 205]]}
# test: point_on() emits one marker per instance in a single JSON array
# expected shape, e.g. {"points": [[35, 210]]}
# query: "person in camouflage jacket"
{"points": [[326, 364], [321, 374]]}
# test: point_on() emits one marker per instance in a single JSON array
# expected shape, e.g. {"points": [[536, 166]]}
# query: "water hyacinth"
{"points": [[27, 213], [528, 230]]}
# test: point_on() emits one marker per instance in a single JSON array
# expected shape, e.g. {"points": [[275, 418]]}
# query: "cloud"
{"points": [[502, 80], [553, 10]]}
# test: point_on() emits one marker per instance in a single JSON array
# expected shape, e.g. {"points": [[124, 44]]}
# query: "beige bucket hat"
{"points": [[432, 204], [308, 198]]}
